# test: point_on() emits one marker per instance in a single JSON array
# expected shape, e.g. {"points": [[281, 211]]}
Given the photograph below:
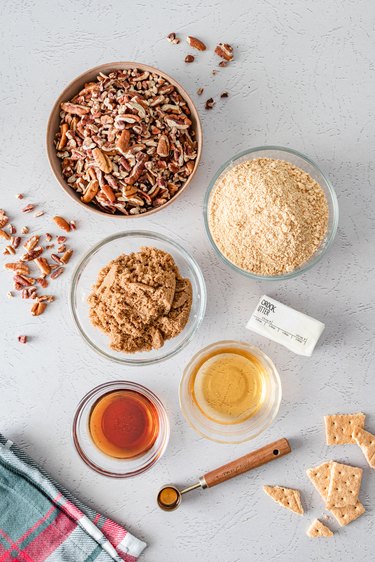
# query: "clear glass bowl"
{"points": [[303, 162], [240, 432], [94, 457], [100, 255]]}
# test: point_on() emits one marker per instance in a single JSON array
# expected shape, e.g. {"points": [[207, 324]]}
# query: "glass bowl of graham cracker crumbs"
{"points": [[138, 297], [270, 213]]}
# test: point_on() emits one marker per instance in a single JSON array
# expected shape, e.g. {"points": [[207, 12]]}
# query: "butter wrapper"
{"points": [[280, 323]]}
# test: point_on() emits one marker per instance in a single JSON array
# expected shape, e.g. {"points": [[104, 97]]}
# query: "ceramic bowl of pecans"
{"points": [[124, 139]]}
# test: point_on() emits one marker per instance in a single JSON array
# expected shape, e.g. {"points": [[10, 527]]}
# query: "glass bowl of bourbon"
{"points": [[120, 429], [230, 392]]}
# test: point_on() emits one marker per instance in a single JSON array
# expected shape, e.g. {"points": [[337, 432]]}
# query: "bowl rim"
{"points": [[186, 373], [55, 165], [193, 264], [121, 385], [329, 188]]}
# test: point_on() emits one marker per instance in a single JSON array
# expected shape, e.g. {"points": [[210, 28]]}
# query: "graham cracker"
{"points": [[347, 514], [317, 530], [344, 485], [286, 497], [320, 476], [340, 427], [366, 441]]}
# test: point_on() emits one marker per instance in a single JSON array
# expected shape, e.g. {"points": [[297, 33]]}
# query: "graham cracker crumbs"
{"points": [[286, 497], [267, 216], [140, 300], [317, 529], [340, 427]]}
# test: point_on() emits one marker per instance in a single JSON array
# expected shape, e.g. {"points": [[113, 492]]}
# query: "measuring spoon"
{"points": [[169, 497]]}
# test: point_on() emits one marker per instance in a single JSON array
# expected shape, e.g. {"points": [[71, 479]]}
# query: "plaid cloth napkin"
{"points": [[40, 521]]}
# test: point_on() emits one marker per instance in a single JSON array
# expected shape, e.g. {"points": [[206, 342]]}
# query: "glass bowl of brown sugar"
{"points": [[138, 297], [270, 213]]}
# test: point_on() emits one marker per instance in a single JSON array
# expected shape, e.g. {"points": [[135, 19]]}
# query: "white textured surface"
{"points": [[304, 77]]}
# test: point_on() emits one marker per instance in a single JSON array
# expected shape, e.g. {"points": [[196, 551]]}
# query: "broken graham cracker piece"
{"points": [[340, 427], [317, 530], [286, 497], [344, 485], [320, 476], [347, 514], [366, 441]]}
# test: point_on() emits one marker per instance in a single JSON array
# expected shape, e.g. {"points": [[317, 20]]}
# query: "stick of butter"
{"points": [[296, 331]]}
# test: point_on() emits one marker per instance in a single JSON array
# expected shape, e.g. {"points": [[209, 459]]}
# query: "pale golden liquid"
{"points": [[229, 385]]}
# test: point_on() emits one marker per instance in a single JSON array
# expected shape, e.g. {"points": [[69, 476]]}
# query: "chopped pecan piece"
{"points": [[22, 339], [173, 39], [196, 43], [4, 234], [209, 103], [224, 51], [55, 274], [28, 208], [189, 58]]}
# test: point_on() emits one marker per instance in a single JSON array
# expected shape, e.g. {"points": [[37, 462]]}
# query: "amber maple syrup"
{"points": [[124, 424]]}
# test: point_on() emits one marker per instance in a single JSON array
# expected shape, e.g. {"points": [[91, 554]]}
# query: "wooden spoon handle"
{"points": [[251, 460]]}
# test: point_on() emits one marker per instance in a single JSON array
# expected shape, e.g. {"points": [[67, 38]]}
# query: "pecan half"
{"points": [[196, 43], [4, 234], [123, 142], [31, 243], [38, 308], [163, 146], [62, 223], [102, 160], [90, 192], [43, 265]]}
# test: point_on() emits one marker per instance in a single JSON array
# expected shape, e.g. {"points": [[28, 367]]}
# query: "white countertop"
{"points": [[303, 77]]}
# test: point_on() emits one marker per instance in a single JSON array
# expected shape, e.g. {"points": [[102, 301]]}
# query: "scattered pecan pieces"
{"points": [[209, 103], [189, 58], [224, 51]]}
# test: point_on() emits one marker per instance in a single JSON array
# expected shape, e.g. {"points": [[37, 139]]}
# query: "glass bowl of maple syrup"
{"points": [[120, 429], [230, 392]]}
